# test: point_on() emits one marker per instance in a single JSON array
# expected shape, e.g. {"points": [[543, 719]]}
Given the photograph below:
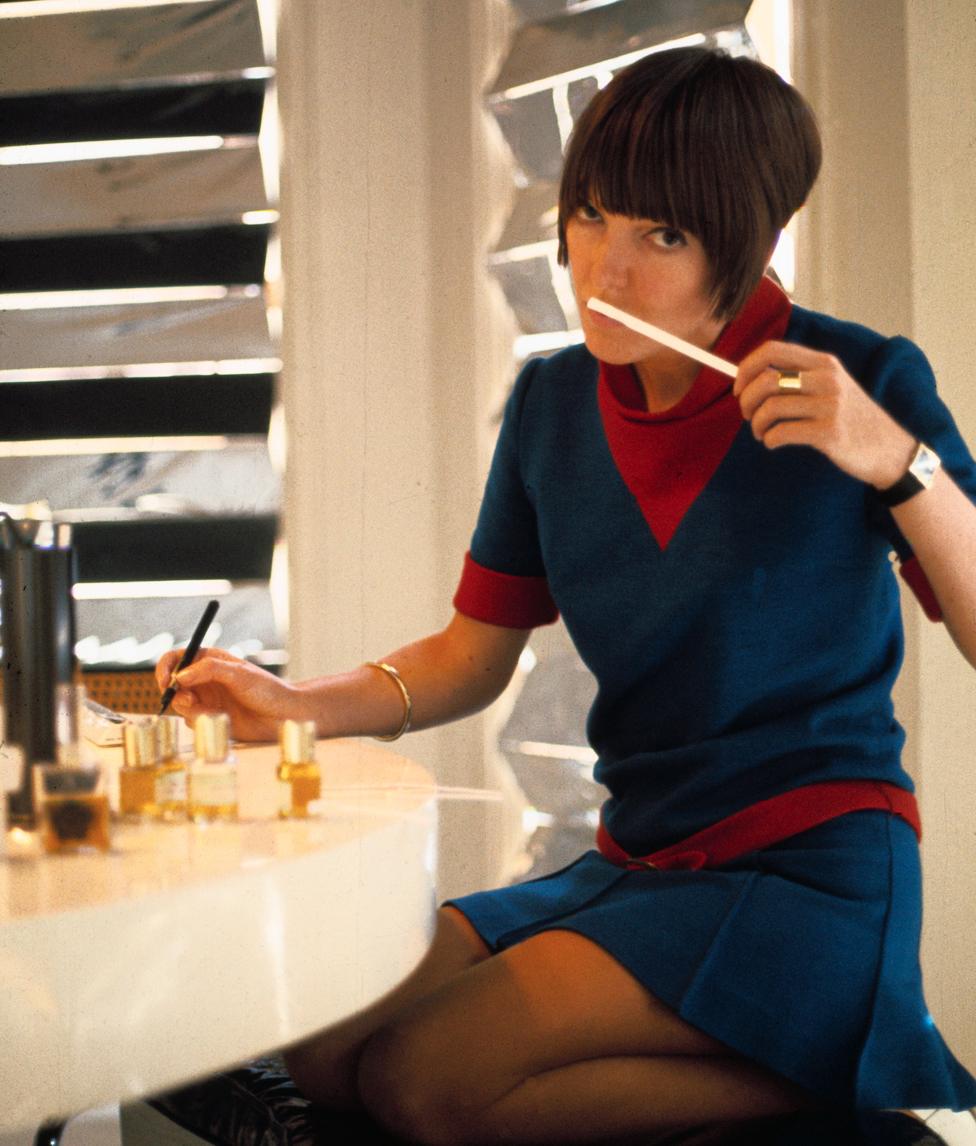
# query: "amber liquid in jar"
{"points": [[298, 768], [72, 808], [137, 792], [306, 786], [74, 822], [170, 784], [157, 792], [140, 773]]}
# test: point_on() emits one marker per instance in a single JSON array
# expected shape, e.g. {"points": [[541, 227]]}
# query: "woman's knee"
{"points": [[325, 1067], [323, 1077], [408, 1089]]}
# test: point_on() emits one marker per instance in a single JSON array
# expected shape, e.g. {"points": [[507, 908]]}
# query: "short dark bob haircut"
{"points": [[716, 145]]}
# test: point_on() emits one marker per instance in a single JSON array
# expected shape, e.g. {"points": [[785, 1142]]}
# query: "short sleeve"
{"points": [[902, 381], [503, 581]]}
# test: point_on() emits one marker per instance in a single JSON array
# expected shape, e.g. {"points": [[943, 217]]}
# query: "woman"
{"points": [[720, 557]]}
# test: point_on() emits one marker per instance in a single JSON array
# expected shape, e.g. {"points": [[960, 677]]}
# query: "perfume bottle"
{"points": [[170, 786], [298, 768], [137, 776], [69, 797], [212, 779], [72, 807]]}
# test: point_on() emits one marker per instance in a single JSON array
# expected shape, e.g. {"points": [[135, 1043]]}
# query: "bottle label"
{"points": [[171, 787], [213, 785]]}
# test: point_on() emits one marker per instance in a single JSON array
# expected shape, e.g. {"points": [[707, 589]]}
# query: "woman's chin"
{"points": [[609, 350]]}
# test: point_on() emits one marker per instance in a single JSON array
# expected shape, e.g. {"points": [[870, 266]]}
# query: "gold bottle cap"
{"points": [[211, 737], [167, 736], [297, 739], [139, 741]]}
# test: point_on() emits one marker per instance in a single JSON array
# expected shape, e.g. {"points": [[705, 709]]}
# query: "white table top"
{"points": [[189, 948]]}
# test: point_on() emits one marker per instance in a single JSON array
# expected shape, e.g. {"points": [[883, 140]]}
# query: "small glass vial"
{"points": [[70, 798], [72, 808], [137, 776], [298, 768], [212, 779], [170, 787]]}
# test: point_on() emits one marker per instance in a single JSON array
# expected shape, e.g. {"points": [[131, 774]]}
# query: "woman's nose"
{"points": [[612, 264]]}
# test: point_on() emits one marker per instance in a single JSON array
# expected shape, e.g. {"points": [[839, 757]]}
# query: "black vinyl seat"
{"points": [[259, 1105]]}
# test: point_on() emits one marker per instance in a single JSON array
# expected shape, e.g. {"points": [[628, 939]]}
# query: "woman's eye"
{"points": [[668, 237], [588, 213]]}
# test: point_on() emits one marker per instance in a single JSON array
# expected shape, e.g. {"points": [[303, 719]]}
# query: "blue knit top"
{"points": [[736, 605]]}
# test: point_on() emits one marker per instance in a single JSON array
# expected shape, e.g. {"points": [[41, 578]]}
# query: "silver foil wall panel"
{"points": [[208, 331], [530, 292], [590, 36], [532, 218], [238, 479], [535, 10], [112, 48], [554, 68], [244, 626], [132, 193], [531, 130], [171, 223]]}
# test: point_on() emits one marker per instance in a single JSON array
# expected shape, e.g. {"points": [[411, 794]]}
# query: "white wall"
{"points": [[394, 346], [889, 239], [942, 107]]}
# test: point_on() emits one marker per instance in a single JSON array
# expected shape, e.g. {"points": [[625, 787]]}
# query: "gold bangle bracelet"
{"points": [[392, 673]]}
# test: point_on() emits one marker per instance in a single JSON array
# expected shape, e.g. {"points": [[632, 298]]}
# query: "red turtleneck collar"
{"points": [[666, 459]]}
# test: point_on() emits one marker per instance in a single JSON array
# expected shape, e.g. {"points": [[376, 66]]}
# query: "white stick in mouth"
{"points": [[658, 335]]}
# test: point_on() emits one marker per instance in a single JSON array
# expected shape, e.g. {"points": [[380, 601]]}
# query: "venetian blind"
{"points": [[138, 357]]}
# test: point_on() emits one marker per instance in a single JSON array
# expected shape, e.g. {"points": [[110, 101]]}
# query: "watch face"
{"points": [[924, 465]]}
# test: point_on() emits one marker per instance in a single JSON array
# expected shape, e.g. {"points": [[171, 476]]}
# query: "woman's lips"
{"points": [[602, 321]]}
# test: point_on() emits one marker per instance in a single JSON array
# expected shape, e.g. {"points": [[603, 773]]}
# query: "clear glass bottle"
{"points": [[137, 776], [72, 807], [70, 798], [170, 786], [298, 768], [212, 778]]}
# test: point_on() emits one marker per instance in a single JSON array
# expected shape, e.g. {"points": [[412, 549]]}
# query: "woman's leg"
{"points": [[325, 1066], [554, 1041]]}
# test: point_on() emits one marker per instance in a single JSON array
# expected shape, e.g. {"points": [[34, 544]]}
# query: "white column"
{"points": [[941, 40], [889, 239], [389, 345], [361, 520]]}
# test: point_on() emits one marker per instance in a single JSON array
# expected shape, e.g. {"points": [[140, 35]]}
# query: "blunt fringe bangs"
{"points": [[716, 145]]}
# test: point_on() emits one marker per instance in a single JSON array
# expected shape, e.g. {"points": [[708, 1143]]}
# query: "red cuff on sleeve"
{"points": [[914, 577], [503, 599]]}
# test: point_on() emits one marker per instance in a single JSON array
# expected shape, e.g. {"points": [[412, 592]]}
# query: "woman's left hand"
{"points": [[830, 412]]}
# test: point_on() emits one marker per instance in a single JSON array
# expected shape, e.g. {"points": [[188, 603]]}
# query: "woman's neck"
{"points": [[664, 388], [666, 376]]}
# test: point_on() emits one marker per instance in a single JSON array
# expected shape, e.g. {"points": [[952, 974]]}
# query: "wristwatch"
{"points": [[919, 475]]}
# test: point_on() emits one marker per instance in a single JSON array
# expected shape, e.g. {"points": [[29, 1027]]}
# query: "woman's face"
{"points": [[650, 270]]}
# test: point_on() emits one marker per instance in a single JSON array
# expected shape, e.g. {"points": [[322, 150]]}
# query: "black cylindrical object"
{"points": [[38, 633]]}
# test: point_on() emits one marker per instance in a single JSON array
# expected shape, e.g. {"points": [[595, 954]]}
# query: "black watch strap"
{"points": [[919, 476]]}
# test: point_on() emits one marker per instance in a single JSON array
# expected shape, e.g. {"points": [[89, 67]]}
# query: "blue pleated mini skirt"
{"points": [[803, 956]]}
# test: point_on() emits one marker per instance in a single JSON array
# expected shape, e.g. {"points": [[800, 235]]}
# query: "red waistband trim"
{"points": [[768, 822]]}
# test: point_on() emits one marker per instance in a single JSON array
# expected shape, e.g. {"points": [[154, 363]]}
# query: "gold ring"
{"points": [[790, 382]]}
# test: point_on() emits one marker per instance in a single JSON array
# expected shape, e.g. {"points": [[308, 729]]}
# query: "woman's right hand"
{"points": [[255, 700]]}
